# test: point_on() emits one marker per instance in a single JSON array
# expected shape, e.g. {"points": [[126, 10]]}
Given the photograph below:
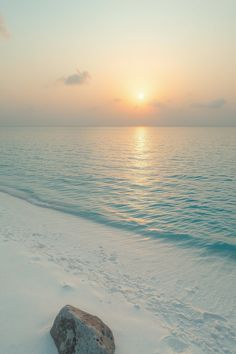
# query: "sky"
{"points": [[118, 62]]}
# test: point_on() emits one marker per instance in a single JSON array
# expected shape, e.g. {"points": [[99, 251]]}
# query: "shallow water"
{"points": [[173, 183]]}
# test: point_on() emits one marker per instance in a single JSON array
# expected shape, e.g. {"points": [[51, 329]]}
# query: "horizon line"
{"points": [[110, 126]]}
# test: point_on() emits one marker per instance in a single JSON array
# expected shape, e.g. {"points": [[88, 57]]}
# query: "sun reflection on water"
{"points": [[141, 140], [141, 159]]}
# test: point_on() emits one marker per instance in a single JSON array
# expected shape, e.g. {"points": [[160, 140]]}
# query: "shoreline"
{"points": [[222, 248], [151, 304]]}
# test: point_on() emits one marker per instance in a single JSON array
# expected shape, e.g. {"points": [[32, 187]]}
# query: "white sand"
{"points": [[156, 298]]}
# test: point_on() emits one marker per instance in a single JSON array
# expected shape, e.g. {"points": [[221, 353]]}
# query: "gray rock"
{"points": [[77, 332]]}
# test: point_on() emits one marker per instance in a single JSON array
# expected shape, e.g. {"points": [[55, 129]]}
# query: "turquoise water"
{"points": [[177, 184]]}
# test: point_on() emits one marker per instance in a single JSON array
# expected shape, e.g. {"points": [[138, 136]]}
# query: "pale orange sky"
{"points": [[89, 62]]}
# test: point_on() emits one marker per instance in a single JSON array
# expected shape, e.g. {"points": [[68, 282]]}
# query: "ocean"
{"points": [[175, 184]]}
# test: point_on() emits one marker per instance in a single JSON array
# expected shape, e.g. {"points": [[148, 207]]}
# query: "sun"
{"points": [[141, 96]]}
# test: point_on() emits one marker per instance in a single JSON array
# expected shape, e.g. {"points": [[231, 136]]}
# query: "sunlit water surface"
{"points": [[177, 184]]}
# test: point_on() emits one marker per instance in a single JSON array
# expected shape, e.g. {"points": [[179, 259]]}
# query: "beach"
{"points": [[156, 297]]}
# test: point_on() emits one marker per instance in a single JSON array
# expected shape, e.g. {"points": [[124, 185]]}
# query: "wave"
{"points": [[184, 240]]}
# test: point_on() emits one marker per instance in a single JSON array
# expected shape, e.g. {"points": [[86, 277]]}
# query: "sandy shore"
{"points": [[156, 298]]}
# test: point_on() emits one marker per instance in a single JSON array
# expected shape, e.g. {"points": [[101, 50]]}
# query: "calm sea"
{"points": [[178, 184]]}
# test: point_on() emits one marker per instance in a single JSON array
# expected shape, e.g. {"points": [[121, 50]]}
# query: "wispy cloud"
{"points": [[214, 104], [78, 78], [157, 104], [117, 100], [3, 30]]}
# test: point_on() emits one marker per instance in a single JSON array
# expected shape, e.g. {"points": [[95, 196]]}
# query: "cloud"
{"points": [[117, 100], [78, 78], [157, 104], [3, 30], [214, 104]]}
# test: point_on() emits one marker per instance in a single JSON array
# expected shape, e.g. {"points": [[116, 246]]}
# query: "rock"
{"points": [[77, 332]]}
